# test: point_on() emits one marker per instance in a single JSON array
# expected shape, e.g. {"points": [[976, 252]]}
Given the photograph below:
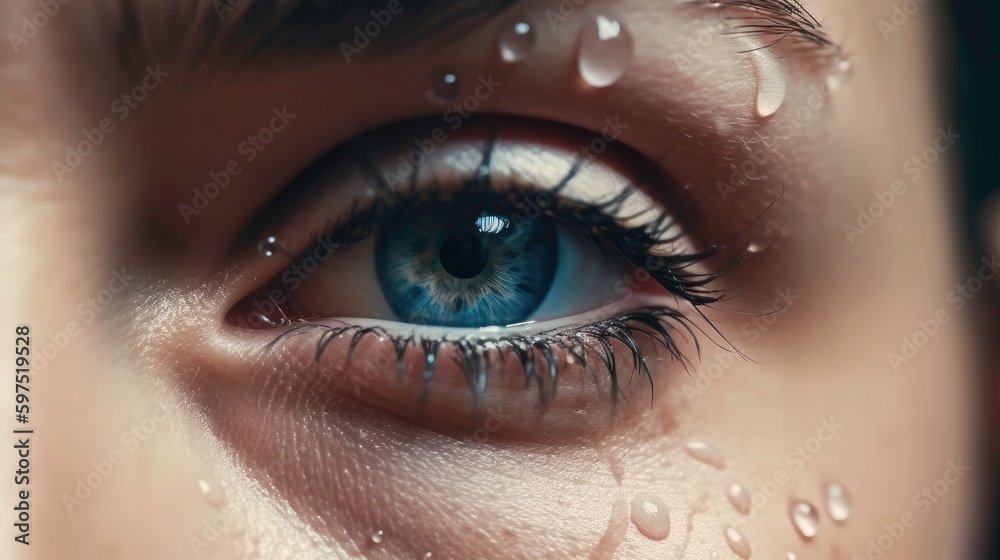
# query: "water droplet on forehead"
{"points": [[804, 518], [378, 536], [606, 50], [517, 41], [770, 80]]}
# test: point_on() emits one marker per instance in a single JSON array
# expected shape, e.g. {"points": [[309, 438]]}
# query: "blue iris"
{"points": [[447, 266]]}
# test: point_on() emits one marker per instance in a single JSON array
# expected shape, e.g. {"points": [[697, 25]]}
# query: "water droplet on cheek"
{"points": [[517, 41], [737, 543], [651, 516], [706, 453], [838, 502], [805, 519], [739, 498], [215, 494], [606, 50], [839, 75]]}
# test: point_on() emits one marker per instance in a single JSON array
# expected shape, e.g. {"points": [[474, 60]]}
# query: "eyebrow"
{"points": [[258, 32]]}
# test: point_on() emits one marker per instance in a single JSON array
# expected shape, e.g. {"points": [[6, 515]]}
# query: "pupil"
{"points": [[463, 255]]}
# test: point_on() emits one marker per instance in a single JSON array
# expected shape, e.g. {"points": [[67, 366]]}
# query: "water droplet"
{"points": [[791, 556], [605, 51], [838, 502], [378, 536], [839, 75], [805, 519], [215, 495], [723, 127], [269, 246], [770, 82], [706, 453], [651, 516], [444, 86], [739, 498], [737, 543], [428, 555], [517, 41]]}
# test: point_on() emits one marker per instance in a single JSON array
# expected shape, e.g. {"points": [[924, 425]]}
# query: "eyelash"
{"points": [[787, 18], [536, 352]]}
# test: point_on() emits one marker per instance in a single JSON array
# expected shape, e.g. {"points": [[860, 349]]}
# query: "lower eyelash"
{"points": [[591, 346]]}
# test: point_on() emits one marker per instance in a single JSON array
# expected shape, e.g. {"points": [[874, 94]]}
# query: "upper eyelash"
{"points": [[782, 19]]}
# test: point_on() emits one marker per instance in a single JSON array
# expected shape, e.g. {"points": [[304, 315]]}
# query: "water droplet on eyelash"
{"points": [[605, 51], [517, 41], [804, 518], [755, 247], [737, 542], [839, 75], [444, 86], [770, 81], [739, 498], [706, 453], [651, 516], [378, 536], [838, 502]]}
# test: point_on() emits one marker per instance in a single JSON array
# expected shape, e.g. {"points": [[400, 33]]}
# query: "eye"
{"points": [[498, 259]]}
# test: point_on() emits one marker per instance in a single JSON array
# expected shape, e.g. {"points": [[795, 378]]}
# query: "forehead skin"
{"points": [[825, 359]]}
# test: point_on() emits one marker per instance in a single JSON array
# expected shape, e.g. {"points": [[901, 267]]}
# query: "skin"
{"points": [[308, 472]]}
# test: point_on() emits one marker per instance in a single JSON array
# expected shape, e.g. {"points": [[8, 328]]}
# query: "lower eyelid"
{"points": [[364, 370]]}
